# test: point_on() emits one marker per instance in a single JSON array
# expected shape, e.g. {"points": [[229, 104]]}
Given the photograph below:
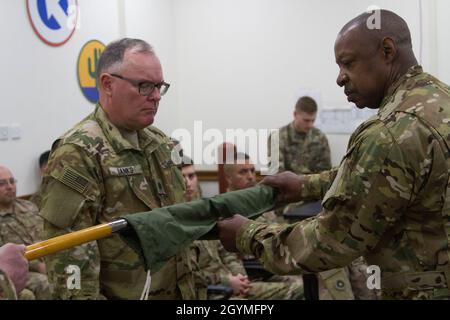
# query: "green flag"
{"points": [[160, 234]]}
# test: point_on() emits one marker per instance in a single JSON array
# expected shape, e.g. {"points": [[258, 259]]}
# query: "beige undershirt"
{"points": [[131, 137]]}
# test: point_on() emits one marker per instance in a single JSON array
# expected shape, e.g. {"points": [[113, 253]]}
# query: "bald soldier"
{"points": [[389, 201], [20, 223]]}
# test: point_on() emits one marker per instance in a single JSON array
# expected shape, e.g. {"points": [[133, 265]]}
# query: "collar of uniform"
{"points": [[5, 212], [148, 140], [112, 134], [297, 136], [390, 102]]}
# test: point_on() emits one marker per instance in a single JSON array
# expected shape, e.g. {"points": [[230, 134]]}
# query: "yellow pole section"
{"points": [[46, 247]]}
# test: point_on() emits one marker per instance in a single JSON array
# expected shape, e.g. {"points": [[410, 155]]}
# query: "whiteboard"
{"points": [[342, 120]]}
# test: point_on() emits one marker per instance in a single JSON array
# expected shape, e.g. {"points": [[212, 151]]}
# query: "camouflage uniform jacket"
{"points": [[7, 290], [389, 200], [303, 153], [95, 176], [216, 264], [21, 225], [36, 198], [213, 262]]}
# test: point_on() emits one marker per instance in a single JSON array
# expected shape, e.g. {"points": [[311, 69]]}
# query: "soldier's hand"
{"points": [[288, 184], [228, 229], [41, 268], [14, 264], [240, 284]]}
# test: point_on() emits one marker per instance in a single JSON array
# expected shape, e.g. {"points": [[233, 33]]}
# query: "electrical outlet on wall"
{"points": [[14, 131], [4, 132]]}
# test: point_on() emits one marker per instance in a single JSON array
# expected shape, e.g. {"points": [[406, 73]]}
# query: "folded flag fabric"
{"points": [[160, 234]]}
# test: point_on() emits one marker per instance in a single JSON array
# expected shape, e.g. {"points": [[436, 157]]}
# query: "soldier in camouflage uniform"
{"points": [[109, 165], [303, 148], [390, 199], [13, 270], [219, 267], [20, 223]]}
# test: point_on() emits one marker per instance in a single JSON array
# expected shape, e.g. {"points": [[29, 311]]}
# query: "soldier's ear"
{"points": [[228, 179], [106, 84], [389, 49]]}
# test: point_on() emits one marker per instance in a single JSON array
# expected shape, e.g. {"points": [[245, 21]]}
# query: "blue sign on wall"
{"points": [[54, 21]]}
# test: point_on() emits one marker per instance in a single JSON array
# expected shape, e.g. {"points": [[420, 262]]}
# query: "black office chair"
{"points": [[303, 211], [219, 292], [255, 270]]}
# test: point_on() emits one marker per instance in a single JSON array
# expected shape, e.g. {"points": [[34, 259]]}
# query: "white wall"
{"points": [[242, 64], [231, 63], [443, 40], [39, 84], [40, 87]]}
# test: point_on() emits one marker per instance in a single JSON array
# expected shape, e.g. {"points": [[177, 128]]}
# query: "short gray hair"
{"points": [[113, 54]]}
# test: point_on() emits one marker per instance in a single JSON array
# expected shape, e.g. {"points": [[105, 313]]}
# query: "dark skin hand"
{"points": [[228, 229], [289, 186]]}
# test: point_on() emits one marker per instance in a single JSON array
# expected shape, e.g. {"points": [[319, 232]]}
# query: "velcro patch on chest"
{"points": [[167, 163], [125, 171]]}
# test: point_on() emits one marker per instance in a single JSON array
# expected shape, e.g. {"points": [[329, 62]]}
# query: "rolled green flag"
{"points": [[160, 234]]}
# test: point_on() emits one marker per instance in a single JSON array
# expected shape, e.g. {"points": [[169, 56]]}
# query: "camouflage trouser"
{"points": [[407, 294], [37, 288], [7, 290], [276, 291]]}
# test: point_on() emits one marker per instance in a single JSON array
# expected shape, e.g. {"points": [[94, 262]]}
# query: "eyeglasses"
{"points": [[145, 87], [4, 182]]}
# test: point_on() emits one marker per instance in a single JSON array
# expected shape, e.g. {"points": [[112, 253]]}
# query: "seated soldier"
{"points": [[21, 223], [218, 266], [303, 147]]}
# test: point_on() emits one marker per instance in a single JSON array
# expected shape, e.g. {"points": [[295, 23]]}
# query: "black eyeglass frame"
{"points": [[4, 182], [163, 86]]}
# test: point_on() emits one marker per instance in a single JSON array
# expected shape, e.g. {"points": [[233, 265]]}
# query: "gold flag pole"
{"points": [[56, 244]]}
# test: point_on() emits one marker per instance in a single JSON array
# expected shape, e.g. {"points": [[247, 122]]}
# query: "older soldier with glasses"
{"points": [[109, 165], [145, 87]]}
